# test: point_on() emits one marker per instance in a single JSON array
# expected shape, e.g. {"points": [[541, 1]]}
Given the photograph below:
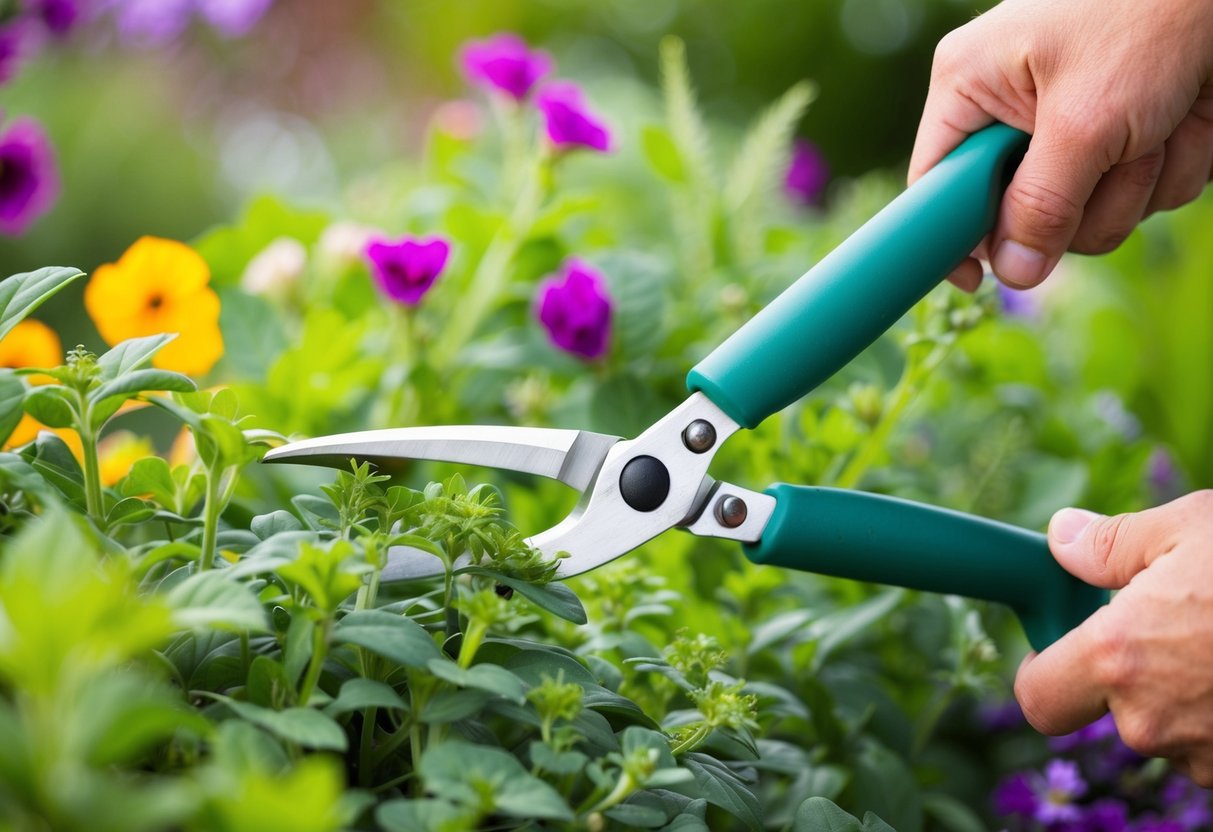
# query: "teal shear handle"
{"points": [[870, 537], [851, 297]]}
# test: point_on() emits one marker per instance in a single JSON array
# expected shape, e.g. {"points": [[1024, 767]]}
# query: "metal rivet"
{"points": [[730, 511], [699, 436]]}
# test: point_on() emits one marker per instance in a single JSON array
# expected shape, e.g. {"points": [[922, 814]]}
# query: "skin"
{"points": [[1118, 99]]}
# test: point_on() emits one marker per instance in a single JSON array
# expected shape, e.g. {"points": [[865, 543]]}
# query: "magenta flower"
{"points": [[575, 308], [12, 50], [233, 18], [1187, 804], [406, 268], [807, 173], [151, 22], [504, 63], [568, 121], [59, 16], [29, 180]]}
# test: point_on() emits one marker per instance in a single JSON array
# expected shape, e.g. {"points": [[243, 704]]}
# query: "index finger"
{"points": [[1059, 689]]}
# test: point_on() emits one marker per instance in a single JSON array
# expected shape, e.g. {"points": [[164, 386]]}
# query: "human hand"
{"points": [[1118, 99], [1147, 655]]}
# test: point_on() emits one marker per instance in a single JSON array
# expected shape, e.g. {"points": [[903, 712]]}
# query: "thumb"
{"points": [[1108, 551], [1043, 205]]}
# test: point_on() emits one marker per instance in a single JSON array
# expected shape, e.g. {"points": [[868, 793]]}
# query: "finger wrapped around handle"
{"points": [[871, 537]]}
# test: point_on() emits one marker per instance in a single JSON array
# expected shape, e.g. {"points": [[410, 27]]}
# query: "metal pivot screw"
{"points": [[730, 511], [699, 436]]}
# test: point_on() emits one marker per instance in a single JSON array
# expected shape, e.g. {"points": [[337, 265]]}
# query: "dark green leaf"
{"points": [[391, 636], [721, 786], [884, 783], [12, 392], [267, 684], [358, 693], [638, 817], [268, 525], [836, 629], [817, 814], [51, 458], [51, 405], [21, 294], [951, 814], [544, 757], [302, 726], [452, 706], [425, 815], [452, 769], [488, 677], [556, 598]]}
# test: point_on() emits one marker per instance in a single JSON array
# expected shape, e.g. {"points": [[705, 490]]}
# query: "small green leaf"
{"points": [[461, 771], [142, 381], [50, 457], [268, 525], [21, 294], [662, 154], [151, 476], [212, 600], [487, 677], [817, 814], [302, 726], [721, 786], [267, 684], [127, 511], [358, 693], [51, 405], [556, 598], [453, 706], [424, 815], [12, 392], [131, 354], [391, 636]]}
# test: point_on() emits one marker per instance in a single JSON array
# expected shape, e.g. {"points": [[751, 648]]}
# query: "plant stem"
{"points": [[210, 520], [320, 650], [473, 636], [694, 740], [92, 466], [624, 787], [365, 746]]}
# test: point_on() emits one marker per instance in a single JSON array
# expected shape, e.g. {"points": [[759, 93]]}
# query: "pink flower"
{"points": [[568, 121], [505, 64], [807, 173], [12, 50], [406, 268], [575, 309], [29, 180], [59, 16]]}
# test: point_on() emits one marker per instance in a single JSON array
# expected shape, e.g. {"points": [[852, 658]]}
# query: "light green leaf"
{"points": [[151, 475], [131, 354], [268, 525], [212, 600], [358, 693], [662, 154], [687, 129], [21, 294], [127, 511], [556, 598], [302, 726], [12, 392], [391, 636], [141, 381], [424, 815], [466, 772], [51, 405]]}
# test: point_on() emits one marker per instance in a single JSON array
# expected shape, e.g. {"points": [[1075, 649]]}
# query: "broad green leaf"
{"points": [[556, 598], [141, 381], [547, 759], [424, 815], [686, 823], [131, 354], [873, 823], [241, 748], [51, 405], [721, 786], [487, 677], [17, 474], [392, 636], [817, 814], [151, 476], [302, 726], [634, 816], [267, 684], [253, 335], [12, 392], [637, 285], [452, 706], [884, 783], [836, 629], [127, 511], [21, 294], [127, 713], [358, 693], [211, 599], [50, 457], [662, 154], [951, 814], [268, 525], [465, 772]]}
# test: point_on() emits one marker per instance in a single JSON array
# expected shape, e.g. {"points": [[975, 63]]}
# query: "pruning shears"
{"points": [[635, 489]]}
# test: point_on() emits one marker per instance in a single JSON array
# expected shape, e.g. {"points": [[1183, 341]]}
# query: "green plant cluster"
{"points": [[208, 645]]}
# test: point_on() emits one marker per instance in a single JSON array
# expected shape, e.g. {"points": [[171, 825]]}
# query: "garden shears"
{"points": [[635, 489]]}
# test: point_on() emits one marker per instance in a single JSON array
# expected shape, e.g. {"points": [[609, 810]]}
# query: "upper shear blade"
{"points": [[571, 456]]}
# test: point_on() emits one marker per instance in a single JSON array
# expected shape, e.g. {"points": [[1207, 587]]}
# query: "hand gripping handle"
{"points": [[870, 537], [850, 298]]}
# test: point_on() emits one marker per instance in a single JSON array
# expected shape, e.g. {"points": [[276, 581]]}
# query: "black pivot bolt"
{"points": [[699, 436], [644, 483]]}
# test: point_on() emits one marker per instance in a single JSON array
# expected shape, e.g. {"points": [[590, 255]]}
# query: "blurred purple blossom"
{"points": [[12, 49], [1163, 476], [1000, 716], [807, 173], [29, 179], [504, 63], [405, 269], [1099, 730], [1187, 804], [59, 16], [575, 308], [1062, 785], [1015, 796], [233, 18], [159, 22], [1106, 815], [1017, 303], [1157, 824], [568, 120]]}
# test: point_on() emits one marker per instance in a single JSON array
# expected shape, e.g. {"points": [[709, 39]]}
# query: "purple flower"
{"points": [[807, 173], [407, 268], [1098, 731], [1187, 804], [1162, 476], [504, 63], [1061, 786], [233, 18], [568, 122], [12, 50], [1015, 796], [29, 180], [1157, 824], [151, 22], [1000, 716], [1017, 303], [59, 16], [575, 309], [1107, 815]]}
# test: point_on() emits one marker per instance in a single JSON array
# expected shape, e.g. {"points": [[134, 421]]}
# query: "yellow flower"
{"points": [[159, 286], [118, 452], [30, 344]]}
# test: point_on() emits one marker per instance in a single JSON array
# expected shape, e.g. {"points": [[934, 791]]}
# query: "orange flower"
{"points": [[159, 286], [30, 344], [118, 453]]}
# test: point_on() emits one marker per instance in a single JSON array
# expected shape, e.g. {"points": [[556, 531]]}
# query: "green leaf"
{"points": [[624, 405], [252, 333], [424, 815], [884, 783], [21, 294], [302, 726], [453, 706], [834, 630], [141, 381], [391, 636], [151, 475], [637, 285], [688, 132], [268, 525], [488, 677], [128, 511], [51, 405], [466, 773], [662, 154], [12, 393], [358, 693], [721, 786], [50, 457], [634, 816], [267, 684], [951, 814], [544, 757], [131, 354], [212, 600], [873, 823], [817, 814], [765, 151], [555, 598]]}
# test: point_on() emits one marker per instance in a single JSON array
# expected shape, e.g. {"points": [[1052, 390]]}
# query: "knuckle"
{"points": [[1101, 240], [1044, 210], [949, 53], [1200, 503], [1177, 193], [1112, 657], [1107, 538], [1144, 171], [1142, 732]]}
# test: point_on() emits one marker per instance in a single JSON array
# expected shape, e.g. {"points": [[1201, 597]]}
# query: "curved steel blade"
{"points": [[571, 456]]}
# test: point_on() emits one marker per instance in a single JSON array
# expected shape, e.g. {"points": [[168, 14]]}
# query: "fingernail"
{"points": [[1016, 263], [1068, 524]]}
